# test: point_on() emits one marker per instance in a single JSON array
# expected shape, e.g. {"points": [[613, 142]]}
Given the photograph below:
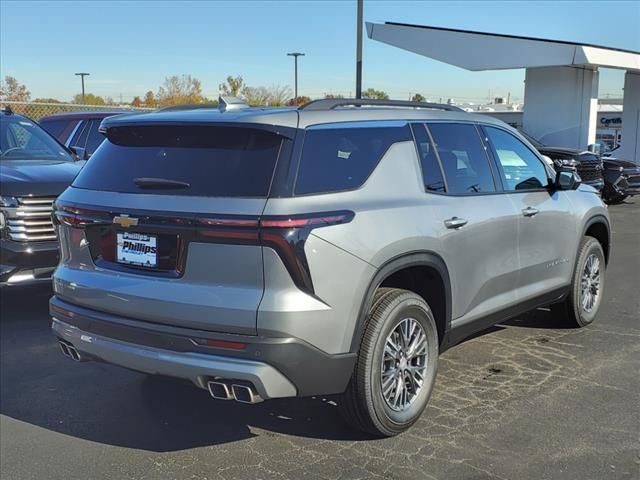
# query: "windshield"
{"points": [[22, 139]]}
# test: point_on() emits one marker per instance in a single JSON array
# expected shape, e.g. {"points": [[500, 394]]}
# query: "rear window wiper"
{"points": [[148, 182]]}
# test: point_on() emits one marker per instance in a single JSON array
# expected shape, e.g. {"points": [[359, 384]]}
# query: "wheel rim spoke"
{"points": [[404, 363], [590, 283]]}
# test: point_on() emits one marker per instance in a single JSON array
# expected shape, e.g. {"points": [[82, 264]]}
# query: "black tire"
{"points": [[363, 404], [615, 199], [571, 311]]}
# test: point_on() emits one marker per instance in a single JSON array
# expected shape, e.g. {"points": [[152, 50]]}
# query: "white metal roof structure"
{"points": [[561, 83]]}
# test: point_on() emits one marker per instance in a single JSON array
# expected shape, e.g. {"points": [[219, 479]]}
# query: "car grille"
{"points": [[31, 220], [590, 170]]}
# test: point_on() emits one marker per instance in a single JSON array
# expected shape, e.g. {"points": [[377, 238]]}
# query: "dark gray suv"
{"points": [[337, 248]]}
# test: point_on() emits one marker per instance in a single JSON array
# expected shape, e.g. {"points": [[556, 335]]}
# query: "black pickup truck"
{"points": [[34, 169]]}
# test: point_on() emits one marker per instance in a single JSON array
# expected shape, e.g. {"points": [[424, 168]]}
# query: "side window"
{"points": [[431, 173], [464, 161], [337, 157], [80, 138], [519, 167], [95, 138], [56, 128]]}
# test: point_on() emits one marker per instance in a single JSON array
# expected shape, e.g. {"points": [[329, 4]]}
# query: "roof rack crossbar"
{"points": [[332, 103]]}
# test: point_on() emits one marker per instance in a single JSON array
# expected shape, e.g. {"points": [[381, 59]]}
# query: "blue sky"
{"points": [[130, 47]]}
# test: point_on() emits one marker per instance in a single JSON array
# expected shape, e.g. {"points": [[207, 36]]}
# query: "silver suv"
{"points": [[337, 248]]}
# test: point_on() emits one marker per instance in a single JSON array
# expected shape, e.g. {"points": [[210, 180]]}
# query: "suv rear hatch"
{"points": [[162, 225]]}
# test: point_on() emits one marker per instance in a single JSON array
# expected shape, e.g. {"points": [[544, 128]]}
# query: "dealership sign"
{"points": [[612, 122]]}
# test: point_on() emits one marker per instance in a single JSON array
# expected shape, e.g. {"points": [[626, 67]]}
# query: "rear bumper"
{"points": [[277, 367], [27, 263]]}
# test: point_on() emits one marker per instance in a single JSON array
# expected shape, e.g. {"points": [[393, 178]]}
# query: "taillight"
{"points": [[287, 236]]}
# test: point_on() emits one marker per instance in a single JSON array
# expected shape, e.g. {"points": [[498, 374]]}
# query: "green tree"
{"points": [[418, 98], [178, 90], [373, 93], [233, 86], [89, 99], [46, 100], [333, 95], [12, 91]]}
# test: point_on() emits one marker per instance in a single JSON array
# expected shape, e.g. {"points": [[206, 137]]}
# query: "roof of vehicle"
{"points": [[292, 117], [84, 114]]}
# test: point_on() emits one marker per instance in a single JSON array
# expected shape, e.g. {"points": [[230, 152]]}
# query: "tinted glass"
{"points": [[342, 156], [519, 167], [80, 138], [214, 161], [431, 173], [463, 158], [95, 138], [22, 139], [56, 128]]}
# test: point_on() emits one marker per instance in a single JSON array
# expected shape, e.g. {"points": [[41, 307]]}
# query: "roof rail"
{"points": [[331, 103]]}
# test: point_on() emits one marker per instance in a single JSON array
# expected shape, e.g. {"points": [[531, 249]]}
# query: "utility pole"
{"points": [[82, 75], [295, 56], [359, 52]]}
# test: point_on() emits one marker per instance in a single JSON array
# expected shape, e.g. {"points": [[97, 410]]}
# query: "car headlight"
{"points": [[2, 222]]}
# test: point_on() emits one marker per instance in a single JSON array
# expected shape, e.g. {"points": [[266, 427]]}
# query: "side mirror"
{"points": [[80, 152], [567, 180]]}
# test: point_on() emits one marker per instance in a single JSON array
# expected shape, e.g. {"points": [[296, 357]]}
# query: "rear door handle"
{"points": [[455, 222], [530, 212]]}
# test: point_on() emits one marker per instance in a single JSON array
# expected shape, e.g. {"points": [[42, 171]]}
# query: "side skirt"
{"points": [[460, 332]]}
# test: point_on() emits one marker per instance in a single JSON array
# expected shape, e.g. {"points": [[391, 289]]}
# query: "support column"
{"points": [[561, 105], [630, 143]]}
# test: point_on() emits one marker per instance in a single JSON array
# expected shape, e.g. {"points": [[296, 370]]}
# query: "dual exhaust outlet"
{"points": [[70, 351], [221, 390]]}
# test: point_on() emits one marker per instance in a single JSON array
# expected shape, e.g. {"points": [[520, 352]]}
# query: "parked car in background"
{"points": [[78, 129], [34, 170], [326, 249], [615, 179]]}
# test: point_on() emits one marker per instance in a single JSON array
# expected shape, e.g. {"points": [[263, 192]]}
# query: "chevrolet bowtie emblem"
{"points": [[125, 221]]}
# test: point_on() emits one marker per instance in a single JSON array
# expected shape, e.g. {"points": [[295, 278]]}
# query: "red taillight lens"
{"points": [[210, 342], [311, 220]]}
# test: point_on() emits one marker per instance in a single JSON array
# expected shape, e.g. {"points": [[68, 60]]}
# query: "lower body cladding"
{"points": [[27, 263], [245, 368]]}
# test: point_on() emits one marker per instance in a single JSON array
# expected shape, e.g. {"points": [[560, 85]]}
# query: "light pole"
{"points": [[82, 75], [359, 52], [295, 56]]}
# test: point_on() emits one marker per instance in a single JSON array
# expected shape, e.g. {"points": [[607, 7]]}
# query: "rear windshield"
{"points": [[213, 161]]}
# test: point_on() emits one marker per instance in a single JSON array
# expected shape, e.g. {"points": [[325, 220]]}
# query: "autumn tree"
{"points": [[273, 96], [136, 102], [12, 91], [89, 99], [297, 101], [177, 90], [375, 94], [418, 98], [233, 86], [149, 99]]}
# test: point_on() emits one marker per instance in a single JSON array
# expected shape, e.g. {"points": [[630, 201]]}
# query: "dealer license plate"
{"points": [[137, 249]]}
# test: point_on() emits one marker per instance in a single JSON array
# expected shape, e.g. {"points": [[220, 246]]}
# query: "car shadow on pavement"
{"points": [[115, 406]]}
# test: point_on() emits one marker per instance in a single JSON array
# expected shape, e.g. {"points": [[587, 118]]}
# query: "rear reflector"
{"points": [[210, 342]]}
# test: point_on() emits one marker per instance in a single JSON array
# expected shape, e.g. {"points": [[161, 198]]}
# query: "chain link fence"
{"points": [[36, 110]]}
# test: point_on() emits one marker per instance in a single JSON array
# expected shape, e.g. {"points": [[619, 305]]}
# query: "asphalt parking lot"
{"points": [[525, 400]]}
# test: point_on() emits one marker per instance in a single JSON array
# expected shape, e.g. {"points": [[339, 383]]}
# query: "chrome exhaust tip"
{"points": [[64, 348], [245, 394], [74, 354], [219, 390]]}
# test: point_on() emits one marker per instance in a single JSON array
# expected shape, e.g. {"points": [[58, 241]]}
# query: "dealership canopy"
{"points": [[561, 81]]}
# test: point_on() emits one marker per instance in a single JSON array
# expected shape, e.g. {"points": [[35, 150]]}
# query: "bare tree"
{"points": [[274, 96], [233, 87], [179, 90], [12, 91]]}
